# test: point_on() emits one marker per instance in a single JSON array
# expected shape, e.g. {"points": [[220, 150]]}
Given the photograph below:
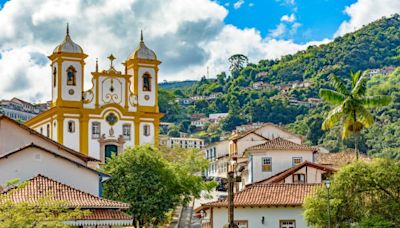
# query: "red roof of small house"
{"points": [[41, 186], [284, 174], [267, 195], [281, 144]]}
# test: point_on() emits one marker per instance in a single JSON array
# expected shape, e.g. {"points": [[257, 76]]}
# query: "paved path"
{"points": [[186, 216]]}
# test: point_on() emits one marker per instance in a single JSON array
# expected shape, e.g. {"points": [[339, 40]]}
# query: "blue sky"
{"points": [[318, 19]]}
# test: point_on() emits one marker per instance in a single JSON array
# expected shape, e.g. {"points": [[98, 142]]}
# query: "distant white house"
{"points": [[200, 123], [184, 101], [261, 85], [217, 117], [18, 109], [172, 142]]}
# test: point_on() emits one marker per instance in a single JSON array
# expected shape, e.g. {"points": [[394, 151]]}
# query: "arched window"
{"points": [[146, 130], [48, 130], [55, 76], [71, 76], [71, 126], [146, 82]]}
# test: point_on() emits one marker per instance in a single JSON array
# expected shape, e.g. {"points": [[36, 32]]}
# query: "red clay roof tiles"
{"points": [[41, 186]]}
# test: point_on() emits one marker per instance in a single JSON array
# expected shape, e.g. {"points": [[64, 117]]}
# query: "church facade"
{"points": [[119, 110]]}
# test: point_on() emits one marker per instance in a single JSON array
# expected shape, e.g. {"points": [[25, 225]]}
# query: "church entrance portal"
{"points": [[109, 150]]}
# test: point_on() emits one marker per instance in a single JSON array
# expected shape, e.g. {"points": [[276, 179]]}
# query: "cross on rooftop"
{"points": [[111, 58]]}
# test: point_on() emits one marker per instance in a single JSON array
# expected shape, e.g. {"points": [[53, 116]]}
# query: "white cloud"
{"points": [[251, 4], [238, 4], [186, 37], [365, 11], [288, 18], [278, 31]]}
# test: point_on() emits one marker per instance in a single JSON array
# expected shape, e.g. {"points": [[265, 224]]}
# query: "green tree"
{"points": [[238, 62], [351, 106], [152, 182], [362, 193], [145, 180]]}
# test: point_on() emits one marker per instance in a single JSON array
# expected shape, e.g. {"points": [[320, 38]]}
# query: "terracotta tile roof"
{"points": [[41, 186], [67, 149], [265, 195], [32, 145], [339, 159], [282, 175], [281, 144], [107, 214]]}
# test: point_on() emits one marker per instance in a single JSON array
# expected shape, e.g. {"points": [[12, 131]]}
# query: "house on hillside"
{"points": [[261, 205], [217, 117], [18, 109], [186, 143], [273, 156], [25, 153], [239, 142], [184, 101], [104, 212]]}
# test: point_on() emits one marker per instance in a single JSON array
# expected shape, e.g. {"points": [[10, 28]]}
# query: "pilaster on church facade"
{"points": [[119, 110]]}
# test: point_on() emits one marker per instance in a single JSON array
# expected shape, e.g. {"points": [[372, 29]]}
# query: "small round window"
{"points": [[111, 119]]}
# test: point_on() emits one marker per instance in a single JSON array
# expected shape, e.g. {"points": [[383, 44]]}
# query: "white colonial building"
{"points": [[120, 109], [187, 143]]}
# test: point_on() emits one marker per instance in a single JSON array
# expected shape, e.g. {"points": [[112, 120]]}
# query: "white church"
{"points": [[120, 109]]}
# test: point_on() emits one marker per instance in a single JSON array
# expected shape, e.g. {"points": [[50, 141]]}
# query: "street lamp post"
{"points": [[328, 185], [231, 184]]}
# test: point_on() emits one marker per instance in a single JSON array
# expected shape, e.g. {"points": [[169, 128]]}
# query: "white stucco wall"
{"points": [[281, 160], [313, 175], [33, 161], [13, 137], [78, 87], [272, 216], [271, 132], [146, 139], [117, 96], [71, 139], [248, 141], [142, 94]]}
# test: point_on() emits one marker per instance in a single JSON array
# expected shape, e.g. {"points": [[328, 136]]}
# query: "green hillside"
{"points": [[376, 45]]}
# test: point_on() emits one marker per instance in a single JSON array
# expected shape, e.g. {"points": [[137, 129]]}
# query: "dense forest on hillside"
{"points": [[376, 45]]}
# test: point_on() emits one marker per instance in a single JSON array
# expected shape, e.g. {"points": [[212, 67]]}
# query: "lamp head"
{"points": [[328, 184]]}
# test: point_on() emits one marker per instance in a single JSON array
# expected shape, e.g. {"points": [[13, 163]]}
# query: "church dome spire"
{"points": [[68, 46], [142, 51]]}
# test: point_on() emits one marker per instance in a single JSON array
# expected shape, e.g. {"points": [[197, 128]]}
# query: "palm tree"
{"points": [[351, 106]]}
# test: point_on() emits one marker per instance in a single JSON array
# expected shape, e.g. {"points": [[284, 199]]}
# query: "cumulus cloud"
{"points": [[288, 18], [363, 12], [187, 38]]}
